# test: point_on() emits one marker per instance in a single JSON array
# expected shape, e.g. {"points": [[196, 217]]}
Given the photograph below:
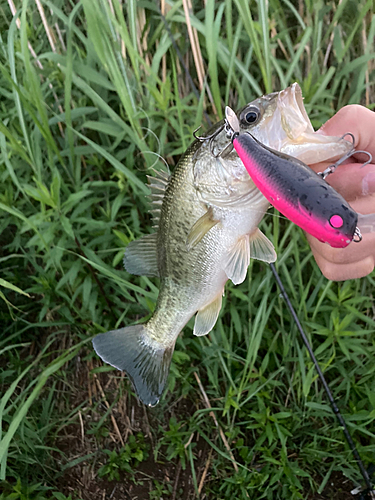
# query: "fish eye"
{"points": [[250, 116]]}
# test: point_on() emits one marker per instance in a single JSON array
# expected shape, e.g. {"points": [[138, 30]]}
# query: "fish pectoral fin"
{"points": [[141, 256], [145, 360], [200, 229], [238, 260], [261, 248], [207, 316]]}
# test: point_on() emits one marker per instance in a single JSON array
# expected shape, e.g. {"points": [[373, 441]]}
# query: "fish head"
{"points": [[279, 121]]}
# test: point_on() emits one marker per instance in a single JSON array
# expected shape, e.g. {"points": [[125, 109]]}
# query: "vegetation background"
{"points": [[93, 93]]}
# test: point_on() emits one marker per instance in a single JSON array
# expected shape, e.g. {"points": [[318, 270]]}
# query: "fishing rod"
{"points": [[369, 492]]}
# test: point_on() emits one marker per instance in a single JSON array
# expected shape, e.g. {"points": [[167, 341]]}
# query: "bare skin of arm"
{"points": [[357, 186]]}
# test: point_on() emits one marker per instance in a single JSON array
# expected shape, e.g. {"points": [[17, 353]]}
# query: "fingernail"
{"points": [[368, 184]]}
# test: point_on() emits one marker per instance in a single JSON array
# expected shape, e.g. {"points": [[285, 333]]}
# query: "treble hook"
{"points": [[228, 148], [199, 138], [331, 168], [210, 138], [203, 138]]}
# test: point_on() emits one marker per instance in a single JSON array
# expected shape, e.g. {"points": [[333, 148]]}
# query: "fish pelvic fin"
{"points": [[261, 248], [145, 360]]}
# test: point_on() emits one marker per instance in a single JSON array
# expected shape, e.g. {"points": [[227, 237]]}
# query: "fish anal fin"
{"points": [[200, 229], [145, 361], [141, 256], [261, 247], [207, 316], [238, 260]]}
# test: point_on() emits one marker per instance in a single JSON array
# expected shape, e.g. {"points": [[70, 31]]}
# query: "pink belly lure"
{"points": [[295, 190]]}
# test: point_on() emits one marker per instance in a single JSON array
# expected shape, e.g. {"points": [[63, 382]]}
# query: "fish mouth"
{"points": [[294, 118], [285, 120], [286, 127], [296, 134]]}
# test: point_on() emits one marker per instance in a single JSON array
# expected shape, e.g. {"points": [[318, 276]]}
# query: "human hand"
{"points": [[357, 186]]}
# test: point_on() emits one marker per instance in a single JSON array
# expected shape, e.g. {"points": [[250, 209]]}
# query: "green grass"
{"points": [[79, 129]]}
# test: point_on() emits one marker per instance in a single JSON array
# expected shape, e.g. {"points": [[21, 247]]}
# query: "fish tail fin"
{"points": [[145, 360]]}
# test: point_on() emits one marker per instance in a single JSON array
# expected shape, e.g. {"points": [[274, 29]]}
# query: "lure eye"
{"points": [[336, 221], [250, 116]]}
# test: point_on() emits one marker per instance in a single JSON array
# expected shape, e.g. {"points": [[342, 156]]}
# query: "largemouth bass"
{"points": [[207, 215]]}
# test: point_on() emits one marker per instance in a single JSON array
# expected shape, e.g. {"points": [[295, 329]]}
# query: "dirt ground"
{"points": [[83, 450]]}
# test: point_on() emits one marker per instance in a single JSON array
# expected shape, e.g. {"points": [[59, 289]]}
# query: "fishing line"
{"points": [[159, 157], [335, 409]]}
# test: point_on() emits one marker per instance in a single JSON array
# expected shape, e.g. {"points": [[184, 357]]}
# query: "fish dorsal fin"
{"points": [[261, 248], [141, 256], [158, 184], [238, 260], [201, 228], [207, 316]]}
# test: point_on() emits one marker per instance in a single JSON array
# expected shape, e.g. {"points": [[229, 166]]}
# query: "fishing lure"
{"points": [[302, 195]]}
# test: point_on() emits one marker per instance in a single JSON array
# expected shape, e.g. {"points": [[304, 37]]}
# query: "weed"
{"points": [[127, 459], [18, 491], [160, 491]]}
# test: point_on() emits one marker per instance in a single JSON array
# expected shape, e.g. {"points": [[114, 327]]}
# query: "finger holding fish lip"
{"points": [[350, 179]]}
